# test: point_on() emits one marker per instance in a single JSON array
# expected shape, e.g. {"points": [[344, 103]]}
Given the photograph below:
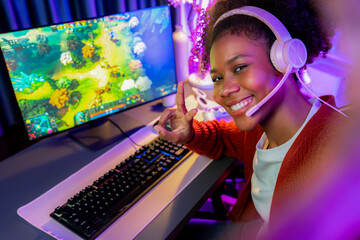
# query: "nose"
{"points": [[228, 87]]}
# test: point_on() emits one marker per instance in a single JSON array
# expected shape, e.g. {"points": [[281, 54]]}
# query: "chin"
{"points": [[246, 124]]}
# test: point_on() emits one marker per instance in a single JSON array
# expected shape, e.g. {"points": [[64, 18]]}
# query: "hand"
{"points": [[180, 118]]}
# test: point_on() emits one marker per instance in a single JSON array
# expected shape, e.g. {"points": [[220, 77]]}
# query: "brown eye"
{"points": [[216, 79], [239, 68]]}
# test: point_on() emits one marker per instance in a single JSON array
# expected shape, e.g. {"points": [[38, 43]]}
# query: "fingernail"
{"points": [[157, 129]]}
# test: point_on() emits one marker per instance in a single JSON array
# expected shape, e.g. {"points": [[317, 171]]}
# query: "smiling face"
{"points": [[243, 76]]}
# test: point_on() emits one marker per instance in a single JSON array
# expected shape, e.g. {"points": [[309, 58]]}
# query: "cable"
{"points": [[308, 89], [132, 142]]}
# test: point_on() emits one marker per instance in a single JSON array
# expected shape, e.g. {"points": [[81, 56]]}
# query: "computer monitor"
{"points": [[70, 74]]}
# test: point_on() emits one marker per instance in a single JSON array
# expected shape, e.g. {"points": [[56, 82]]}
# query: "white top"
{"points": [[266, 165]]}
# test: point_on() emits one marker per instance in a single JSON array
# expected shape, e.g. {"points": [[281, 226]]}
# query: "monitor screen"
{"points": [[68, 74]]}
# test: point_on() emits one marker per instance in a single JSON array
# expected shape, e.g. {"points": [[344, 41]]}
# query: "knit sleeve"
{"points": [[217, 138]]}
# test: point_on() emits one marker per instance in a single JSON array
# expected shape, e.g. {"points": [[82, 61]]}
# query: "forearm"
{"points": [[213, 140]]}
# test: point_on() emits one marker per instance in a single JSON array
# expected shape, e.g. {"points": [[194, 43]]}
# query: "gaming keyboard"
{"points": [[94, 208]]}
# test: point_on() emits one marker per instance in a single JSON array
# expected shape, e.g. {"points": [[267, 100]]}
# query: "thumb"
{"points": [[160, 130]]}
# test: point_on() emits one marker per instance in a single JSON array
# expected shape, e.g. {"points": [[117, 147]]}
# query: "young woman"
{"points": [[280, 143]]}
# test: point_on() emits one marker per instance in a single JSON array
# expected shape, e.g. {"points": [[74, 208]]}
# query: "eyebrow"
{"points": [[231, 60]]}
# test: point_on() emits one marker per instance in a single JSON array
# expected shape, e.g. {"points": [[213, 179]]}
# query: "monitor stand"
{"points": [[102, 133]]}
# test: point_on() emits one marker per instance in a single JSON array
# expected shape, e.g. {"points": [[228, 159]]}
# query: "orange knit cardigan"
{"points": [[218, 138]]}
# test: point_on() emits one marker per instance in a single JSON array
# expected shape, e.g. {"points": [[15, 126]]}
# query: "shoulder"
{"points": [[326, 117], [325, 126]]}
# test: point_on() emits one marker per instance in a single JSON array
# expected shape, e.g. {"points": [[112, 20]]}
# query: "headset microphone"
{"points": [[255, 108]]}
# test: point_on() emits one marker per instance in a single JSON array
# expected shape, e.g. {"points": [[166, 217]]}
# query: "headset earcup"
{"points": [[277, 56], [295, 53]]}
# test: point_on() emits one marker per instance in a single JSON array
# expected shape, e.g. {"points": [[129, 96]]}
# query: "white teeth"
{"points": [[240, 105]]}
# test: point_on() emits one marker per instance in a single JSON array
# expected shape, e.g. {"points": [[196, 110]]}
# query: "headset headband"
{"points": [[280, 31], [286, 51]]}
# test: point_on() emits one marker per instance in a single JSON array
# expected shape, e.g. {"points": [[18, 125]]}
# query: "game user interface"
{"points": [[67, 74]]}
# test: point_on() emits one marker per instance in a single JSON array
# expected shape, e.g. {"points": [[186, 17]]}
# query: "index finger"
{"points": [[180, 100]]}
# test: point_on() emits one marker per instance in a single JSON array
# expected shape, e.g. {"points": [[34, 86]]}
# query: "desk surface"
{"points": [[33, 171]]}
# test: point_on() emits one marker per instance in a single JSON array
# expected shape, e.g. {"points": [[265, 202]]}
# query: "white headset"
{"points": [[285, 51], [287, 54]]}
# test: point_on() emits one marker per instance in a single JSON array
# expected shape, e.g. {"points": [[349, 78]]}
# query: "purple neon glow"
{"points": [[55, 15], [13, 21], [195, 63]]}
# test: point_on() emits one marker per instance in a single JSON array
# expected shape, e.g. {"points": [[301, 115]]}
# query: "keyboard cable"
{"points": [[134, 144]]}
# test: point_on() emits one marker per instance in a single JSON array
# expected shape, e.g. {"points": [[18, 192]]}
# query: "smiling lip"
{"points": [[241, 105]]}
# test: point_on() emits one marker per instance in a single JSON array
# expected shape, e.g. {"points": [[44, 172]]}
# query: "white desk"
{"points": [[32, 172]]}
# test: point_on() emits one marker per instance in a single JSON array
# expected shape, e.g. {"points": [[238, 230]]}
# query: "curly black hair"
{"points": [[302, 18]]}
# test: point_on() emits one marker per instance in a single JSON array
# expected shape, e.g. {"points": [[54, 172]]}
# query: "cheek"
{"points": [[216, 95], [272, 81], [261, 82]]}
